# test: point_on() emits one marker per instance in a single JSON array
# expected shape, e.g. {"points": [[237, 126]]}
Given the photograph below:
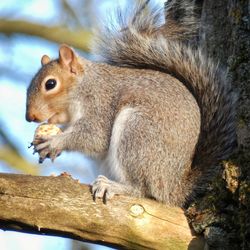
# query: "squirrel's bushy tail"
{"points": [[141, 40]]}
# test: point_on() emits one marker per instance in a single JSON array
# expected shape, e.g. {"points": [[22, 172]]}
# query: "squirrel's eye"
{"points": [[50, 84]]}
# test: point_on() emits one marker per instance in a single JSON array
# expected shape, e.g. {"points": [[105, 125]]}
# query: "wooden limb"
{"points": [[78, 39], [62, 206]]}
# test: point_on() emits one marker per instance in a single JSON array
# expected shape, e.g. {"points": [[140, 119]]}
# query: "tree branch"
{"points": [[62, 206], [78, 39]]}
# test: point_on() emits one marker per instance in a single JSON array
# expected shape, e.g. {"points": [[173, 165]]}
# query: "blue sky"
{"points": [[22, 54]]}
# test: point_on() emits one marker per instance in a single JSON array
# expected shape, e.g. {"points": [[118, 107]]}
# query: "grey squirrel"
{"points": [[156, 112]]}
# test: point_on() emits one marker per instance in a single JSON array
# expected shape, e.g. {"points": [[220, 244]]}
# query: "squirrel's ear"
{"points": [[45, 59], [68, 58]]}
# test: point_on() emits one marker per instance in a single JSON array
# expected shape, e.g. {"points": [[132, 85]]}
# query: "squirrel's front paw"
{"points": [[103, 188], [49, 146]]}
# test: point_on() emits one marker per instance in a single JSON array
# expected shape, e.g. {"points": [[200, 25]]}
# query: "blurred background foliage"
{"points": [[29, 29]]}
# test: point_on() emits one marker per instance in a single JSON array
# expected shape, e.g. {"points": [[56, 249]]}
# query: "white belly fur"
{"points": [[111, 166]]}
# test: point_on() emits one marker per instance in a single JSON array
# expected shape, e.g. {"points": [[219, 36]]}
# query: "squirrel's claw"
{"points": [[102, 188], [44, 153], [53, 155], [47, 148], [41, 146], [41, 160]]}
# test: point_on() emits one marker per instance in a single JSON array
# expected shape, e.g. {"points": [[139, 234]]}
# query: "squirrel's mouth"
{"points": [[50, 120], [59, 118]]}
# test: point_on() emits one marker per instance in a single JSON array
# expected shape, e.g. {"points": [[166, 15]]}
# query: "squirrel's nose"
{"points": [[30, 117]]}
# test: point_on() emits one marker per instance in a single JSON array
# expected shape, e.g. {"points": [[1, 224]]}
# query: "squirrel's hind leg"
{"points": [[113, 165]]}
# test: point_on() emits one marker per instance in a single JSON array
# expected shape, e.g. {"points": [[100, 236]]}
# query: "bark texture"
{"points": [[223, 215], [64, 207]]}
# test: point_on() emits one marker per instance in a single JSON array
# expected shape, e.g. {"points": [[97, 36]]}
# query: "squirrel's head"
{"points": [[49, 91]]}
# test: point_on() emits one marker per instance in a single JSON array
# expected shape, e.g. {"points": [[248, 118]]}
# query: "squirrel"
{"points": [[155, 111]]}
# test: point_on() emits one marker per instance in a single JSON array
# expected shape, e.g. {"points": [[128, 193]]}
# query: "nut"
{"points": [[45, 129]]}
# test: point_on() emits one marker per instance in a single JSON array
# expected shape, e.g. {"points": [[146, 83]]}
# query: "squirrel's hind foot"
{"points": [[106, 189]]}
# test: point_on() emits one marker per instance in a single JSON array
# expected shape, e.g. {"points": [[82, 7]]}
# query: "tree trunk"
{"points": [[225, 35]]}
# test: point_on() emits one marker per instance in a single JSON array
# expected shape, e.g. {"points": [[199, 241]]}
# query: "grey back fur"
{"points": [[143, 40]]}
